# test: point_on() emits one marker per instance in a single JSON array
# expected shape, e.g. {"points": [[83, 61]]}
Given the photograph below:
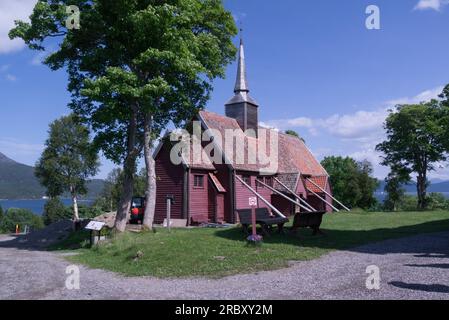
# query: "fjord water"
{"points": [[36, 205]]}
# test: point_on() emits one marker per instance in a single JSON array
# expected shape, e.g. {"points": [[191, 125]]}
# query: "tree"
{"points": [[1, 213], [54, 211], [351, 181], [395, 192], [110, 195], [133, 67], [21, 217], [68, 160], [415, 142]]}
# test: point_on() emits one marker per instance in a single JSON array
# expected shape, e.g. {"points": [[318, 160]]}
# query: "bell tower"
{"points": [[242, 107]]}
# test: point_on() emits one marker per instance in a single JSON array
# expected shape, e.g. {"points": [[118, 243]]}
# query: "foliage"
{"points": [[113, 186], [21, 217], [218, 253], [135, 65], [437, 201], [54, 211], [395, 192], [68, 160], [89, 212], [1, 213], [294, 134], [351, 181], [416, 142]]}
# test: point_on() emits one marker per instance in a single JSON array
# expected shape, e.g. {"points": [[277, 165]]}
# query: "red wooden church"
{"points": [[208, 191]]}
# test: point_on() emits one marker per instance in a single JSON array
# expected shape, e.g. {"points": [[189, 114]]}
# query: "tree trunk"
{"points": [[129, 167], [422, 191], [76, 216], [150, 194]]}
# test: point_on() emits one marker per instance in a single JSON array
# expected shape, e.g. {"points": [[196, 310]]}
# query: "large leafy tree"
{"points": [[351, 181], [134, 66], [68, 160], [415, 143]]}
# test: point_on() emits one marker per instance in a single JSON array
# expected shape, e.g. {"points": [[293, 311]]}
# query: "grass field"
{"points": [[221, 252]]}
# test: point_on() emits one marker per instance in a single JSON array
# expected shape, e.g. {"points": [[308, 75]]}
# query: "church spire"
{"points": [[242, 107], [241, 83]]}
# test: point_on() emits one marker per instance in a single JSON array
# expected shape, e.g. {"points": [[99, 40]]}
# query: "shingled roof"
{"points": [[294, 156]]}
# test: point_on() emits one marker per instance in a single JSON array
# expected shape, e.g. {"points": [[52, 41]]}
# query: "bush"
{"points": [[21, 217], [86, 212], [437, 201], [55, 210]]}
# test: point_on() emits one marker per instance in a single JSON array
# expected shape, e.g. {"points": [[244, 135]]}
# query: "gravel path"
{"points": [[410, 268]]}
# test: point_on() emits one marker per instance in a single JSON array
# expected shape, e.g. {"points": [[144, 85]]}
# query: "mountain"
{"points": [[17, 181], [435, 186]]}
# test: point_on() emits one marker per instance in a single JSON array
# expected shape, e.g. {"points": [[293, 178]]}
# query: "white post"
{"points": [[316, 185], [168, 213]]}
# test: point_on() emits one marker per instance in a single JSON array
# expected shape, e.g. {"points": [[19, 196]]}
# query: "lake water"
{"points": [[36, 206]]}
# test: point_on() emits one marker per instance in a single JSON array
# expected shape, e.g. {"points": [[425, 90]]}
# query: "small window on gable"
{"points": [[198, 181], [247, 180]]}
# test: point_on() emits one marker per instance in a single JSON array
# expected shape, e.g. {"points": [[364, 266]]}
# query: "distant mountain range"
{"points": [[17, 181], [435, 186]]}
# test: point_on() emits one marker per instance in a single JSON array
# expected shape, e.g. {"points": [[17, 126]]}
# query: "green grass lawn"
{"points": [[221, 252]]}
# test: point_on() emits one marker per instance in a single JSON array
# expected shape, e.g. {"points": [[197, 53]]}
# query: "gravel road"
{"points": [[410, 268]]}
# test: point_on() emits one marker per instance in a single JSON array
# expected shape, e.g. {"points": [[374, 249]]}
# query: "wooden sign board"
{"points": [[95, 225]]}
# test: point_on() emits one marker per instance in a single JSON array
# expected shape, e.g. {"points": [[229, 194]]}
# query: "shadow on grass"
{"points": [[364, 241]]}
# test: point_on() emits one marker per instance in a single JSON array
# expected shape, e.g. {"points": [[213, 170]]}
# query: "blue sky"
{"points": [[313, 66]]}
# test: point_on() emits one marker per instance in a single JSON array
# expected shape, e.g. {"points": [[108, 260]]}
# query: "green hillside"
{"points": [[17, 181]]}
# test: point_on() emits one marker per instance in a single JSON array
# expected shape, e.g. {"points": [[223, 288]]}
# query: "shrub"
{"points": [[55, 210], [21, 217]]}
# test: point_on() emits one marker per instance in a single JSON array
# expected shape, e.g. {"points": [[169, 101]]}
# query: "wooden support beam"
{"points": [[316, 185], [260, 197], [316, 195], [283, 195], [297, 197]]}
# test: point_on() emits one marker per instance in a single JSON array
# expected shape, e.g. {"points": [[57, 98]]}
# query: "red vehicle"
{"points": [[137, 210]]}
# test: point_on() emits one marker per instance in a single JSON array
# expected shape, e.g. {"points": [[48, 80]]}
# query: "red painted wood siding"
{"points": [[223, 176], [199, 198], [169, 180], [243, 193]]}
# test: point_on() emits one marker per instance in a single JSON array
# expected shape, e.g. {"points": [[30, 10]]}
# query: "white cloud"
{"points": [[358, 132], [431, 4], [11, 10]]}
